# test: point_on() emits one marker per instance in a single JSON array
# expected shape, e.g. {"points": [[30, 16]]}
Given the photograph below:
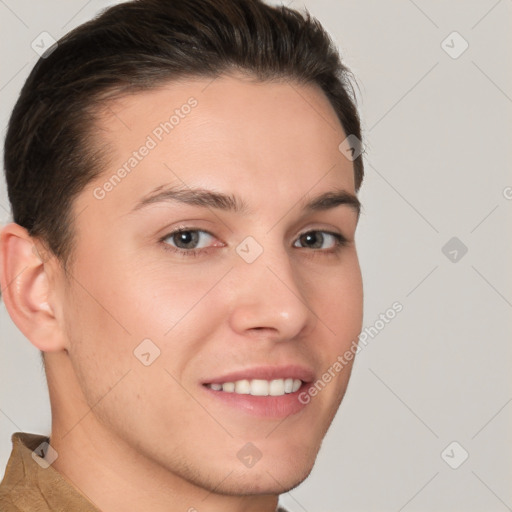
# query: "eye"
{"points": [[194, 242], [187, 241], [316, 240]]}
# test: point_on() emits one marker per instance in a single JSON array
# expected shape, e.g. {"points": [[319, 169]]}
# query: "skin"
{"points": [[135, 437]]}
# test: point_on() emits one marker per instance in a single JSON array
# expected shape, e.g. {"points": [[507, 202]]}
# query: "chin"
{"points": [[273, 476], [262, 482]]}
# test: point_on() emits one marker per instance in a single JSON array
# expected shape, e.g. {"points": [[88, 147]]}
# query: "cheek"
{"points": [[142, 308], [340, 300], [172, 303], [99, 344], [340, 307]]}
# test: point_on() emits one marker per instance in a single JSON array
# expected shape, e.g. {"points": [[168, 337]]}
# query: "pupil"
{"points": [[185, 238], [313, 239]]}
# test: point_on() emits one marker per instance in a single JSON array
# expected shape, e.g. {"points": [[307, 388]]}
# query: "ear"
{"points": [[26, 288]]}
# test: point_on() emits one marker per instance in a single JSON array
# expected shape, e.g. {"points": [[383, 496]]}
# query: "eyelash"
{"points": [[340, 242]]}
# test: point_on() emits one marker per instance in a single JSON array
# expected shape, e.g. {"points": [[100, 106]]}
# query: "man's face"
{"points": [[268, 294]]}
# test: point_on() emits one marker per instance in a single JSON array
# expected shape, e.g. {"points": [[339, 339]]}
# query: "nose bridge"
{"points": [[267, 291]]}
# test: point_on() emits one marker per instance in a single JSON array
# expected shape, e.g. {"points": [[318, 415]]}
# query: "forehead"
{"points": [[258, 138]]}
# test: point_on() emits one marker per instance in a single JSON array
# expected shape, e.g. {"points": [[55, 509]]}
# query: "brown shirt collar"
{"points": [[29, 484]]}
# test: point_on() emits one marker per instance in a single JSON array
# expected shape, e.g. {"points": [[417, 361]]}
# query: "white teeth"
{"points": [[229, 387], [243, 387], [259, 387], [276, 387]]}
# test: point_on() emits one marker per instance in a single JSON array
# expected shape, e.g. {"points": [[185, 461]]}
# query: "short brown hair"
{"points": [[51, 153]]}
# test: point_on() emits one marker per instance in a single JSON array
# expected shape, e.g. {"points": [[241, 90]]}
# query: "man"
{"points": [[183, 180]]}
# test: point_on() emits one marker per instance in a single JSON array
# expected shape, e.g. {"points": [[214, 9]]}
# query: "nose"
{"points": [[270, 299]]}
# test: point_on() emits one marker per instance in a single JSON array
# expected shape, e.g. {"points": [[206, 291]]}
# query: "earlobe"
{"points": [[26, 288]]}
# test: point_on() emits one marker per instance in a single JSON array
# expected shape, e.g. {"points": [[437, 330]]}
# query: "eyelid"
{"points": [[340, 241], [187, 229]]}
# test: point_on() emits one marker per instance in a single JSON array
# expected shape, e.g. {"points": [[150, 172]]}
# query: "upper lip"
{"points": [[290, 371]]}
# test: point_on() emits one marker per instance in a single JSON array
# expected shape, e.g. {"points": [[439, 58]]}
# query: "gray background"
{"points": [[438, 156]]}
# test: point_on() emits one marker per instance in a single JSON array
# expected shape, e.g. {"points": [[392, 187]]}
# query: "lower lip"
{"points": [[262, 406]]}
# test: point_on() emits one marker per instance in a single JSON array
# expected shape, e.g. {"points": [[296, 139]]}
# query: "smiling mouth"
{"points": [[258, 387]]}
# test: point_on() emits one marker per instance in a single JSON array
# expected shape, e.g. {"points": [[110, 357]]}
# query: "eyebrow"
{"points": [[231, 203]]}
